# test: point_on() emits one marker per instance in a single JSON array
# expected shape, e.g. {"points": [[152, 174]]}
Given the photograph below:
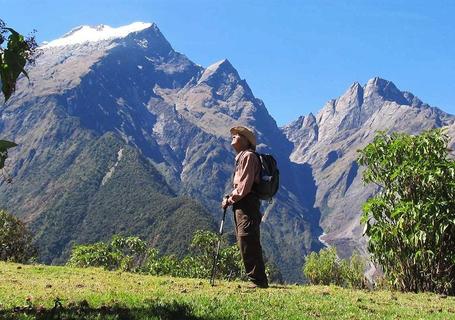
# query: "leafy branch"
{"points": [[19, 51]]}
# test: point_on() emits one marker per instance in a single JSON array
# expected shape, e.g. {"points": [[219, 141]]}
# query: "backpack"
{"points": [[269, 177]]}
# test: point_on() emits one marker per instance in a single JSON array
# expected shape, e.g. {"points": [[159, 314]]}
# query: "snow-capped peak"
{"points": [[83, 34]]}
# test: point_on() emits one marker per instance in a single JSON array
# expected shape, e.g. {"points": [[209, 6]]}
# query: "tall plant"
{"points": [[411, 221], [13, 57], [15, 240]]}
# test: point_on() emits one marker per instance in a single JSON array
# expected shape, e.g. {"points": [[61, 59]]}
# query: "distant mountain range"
{"points": [[119, 133]]}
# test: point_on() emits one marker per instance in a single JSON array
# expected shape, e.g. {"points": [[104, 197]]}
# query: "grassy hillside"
{"points": [[43, 292]]}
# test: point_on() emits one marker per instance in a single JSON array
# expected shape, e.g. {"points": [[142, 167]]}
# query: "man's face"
{"points": [[239, 142]]}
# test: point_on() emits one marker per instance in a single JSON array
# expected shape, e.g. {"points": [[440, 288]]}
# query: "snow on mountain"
{"points": [[83, 34]]}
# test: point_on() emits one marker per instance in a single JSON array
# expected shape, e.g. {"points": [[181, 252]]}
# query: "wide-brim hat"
{"points": [[247, 133]]}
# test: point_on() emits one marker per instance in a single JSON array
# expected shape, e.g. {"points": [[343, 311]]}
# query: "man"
{"points": [[246, 205]]}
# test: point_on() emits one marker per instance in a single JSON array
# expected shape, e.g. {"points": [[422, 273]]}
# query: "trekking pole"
{"points": [[215, 257]]}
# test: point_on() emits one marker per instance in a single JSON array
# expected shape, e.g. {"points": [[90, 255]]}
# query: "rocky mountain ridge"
{"points": [[329, 141]]}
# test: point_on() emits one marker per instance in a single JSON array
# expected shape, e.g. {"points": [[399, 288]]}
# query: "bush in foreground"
{"points": [[131, 254], [15, 240], [325, 268], [411, 221], [122, 253]]}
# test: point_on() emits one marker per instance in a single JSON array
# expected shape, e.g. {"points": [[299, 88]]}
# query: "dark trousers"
{"points": [[247, 218]]}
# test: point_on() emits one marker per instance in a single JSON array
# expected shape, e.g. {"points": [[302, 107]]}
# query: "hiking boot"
{"points": [[255, 285]]}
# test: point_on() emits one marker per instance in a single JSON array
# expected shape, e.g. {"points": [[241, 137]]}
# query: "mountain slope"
{"points": [[80, 175]]}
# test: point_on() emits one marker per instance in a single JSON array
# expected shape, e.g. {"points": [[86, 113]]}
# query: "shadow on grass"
{"points": [[82, 310]]}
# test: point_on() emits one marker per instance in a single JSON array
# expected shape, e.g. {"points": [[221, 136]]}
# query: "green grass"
{"points": [[31, 292]]}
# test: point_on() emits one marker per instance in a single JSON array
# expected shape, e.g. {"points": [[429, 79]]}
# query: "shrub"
{"points": [[15, 240], [122, 253], [411, 221], [273, 273], [132, 254], [93, 255], [199, 263], [325, 268], [230, 264], [353, 271], [202, 250], [168, 265]]}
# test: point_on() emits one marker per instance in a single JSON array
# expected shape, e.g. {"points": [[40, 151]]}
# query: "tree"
{"points": [[13, 58], [15, 240], [411, 221]]}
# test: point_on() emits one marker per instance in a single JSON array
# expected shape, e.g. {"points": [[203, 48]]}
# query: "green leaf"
{"points": [[366, 229], [13, 61], [4, 144]]}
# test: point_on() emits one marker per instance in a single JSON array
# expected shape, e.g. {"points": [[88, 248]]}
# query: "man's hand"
{"points": [[225, 202]]}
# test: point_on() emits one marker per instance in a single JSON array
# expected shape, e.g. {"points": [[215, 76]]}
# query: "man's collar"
{"points": [[239, 155]]}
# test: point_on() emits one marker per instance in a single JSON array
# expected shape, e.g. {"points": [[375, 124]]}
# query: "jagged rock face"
{"points": [[125, 135], [329, 144]]}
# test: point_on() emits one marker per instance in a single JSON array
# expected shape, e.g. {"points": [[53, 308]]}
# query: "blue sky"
{"points": [[295, 55]]}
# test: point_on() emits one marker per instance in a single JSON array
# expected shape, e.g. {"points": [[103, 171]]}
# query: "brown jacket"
{"points": [[247, 172]]}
